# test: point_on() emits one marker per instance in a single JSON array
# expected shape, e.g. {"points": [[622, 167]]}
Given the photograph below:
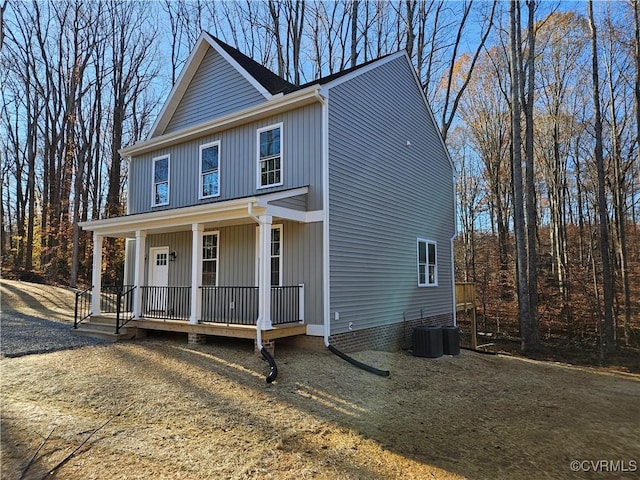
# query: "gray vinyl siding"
{"points": [[216, 89], [383, 196], [302, 259], [299, 202], [301, 163], [180, 268], [129, 261]]}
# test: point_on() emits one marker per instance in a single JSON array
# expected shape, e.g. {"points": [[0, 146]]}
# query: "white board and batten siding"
{"points": [[302, 163], [384, 195], [216, 89]]}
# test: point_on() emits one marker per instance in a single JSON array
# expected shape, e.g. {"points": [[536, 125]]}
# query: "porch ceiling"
{"points": [[211, 215]]}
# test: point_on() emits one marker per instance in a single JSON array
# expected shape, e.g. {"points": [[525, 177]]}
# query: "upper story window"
{"points": [[270, 156], [161, 180], [427, 263], [210, 170]]}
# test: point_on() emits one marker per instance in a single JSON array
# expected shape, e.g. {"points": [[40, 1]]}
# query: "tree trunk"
{"points": [[532, 339], [518, 193], [607, 278]]}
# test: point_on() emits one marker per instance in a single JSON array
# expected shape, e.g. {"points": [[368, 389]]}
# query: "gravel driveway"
{"points": [[24, 335]]}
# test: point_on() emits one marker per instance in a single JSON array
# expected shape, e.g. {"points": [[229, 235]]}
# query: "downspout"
{"points": [[325, 221], [273, 372], [453, 237], [325, 243]]}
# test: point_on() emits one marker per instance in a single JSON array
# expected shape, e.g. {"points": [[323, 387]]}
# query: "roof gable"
{"points": [[259, 84]]}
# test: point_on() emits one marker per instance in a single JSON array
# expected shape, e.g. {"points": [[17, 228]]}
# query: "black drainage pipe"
{"points": [[485, 352], [352, 361], [273, 373]]}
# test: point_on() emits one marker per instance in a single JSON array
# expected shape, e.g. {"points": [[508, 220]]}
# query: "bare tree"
{"points": [[607, 277]]}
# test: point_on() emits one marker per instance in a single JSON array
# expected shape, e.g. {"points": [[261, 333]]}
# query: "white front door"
{"points": [[158, 278]]}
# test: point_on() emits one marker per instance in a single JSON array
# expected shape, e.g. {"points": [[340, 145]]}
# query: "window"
{"points": [[210, 170], [427, 263], [275, 262], [210, 259], [161, 181], [270, 156], [276, 257], [161, 259]]}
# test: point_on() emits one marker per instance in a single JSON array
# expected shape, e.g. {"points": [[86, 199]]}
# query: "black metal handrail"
{"points": [[167, 303], [285, 304], [124, 310], [239, 305], [230, 305], [110, 295], [82, 306]]}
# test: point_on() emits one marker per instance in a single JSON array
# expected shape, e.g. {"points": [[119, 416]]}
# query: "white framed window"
{"points": [[161, 180], [210, 247], [210, 170], [270, 156], [427, 263], [275, 262], [276, 256]]}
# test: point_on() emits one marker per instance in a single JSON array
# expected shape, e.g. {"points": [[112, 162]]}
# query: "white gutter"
{"points": [[453, 260], [325, 223]]}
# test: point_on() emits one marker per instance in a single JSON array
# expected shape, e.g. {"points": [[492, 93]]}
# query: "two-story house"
{"points": [[261, 209]]}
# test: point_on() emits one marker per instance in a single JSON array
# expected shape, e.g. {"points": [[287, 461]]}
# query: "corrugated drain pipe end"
{"points": [[353, 361], [273, 373]]}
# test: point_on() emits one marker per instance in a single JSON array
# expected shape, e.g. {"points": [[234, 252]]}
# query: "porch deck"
{"points": [[219, 329]]}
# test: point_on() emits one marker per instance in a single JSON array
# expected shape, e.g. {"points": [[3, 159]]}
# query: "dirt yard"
{"points": [[205, 412]]}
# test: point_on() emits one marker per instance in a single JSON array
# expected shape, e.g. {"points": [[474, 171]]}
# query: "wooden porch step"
{"points": [[105, 331]]}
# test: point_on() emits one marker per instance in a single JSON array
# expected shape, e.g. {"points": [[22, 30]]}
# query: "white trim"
{"points": [[264, 281], [96, 275], [138, 272], [200, 173], [297, 99], [202, 260], [204, 42], [326, 252], [315, 330], [223, 53], [361, 70], [197, 230], [185, 216], [453, 285], [435, 266], [274, 126], [179, 88], [153, 179]]}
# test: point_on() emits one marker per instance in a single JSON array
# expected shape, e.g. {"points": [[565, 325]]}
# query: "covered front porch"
{"points": [[179, 281]]}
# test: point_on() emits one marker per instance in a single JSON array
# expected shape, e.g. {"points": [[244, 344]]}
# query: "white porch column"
{"points": [[138, 275], [96, 275], [264, 278], [196, 272]]}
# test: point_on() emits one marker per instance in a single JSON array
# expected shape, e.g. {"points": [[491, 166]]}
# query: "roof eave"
{"points": [[281, 103]]}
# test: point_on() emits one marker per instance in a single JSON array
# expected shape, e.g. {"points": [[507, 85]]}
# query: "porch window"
{"points": [[210, 170], [270, 156], [161, 180], [210, 259], [276, 257], [427, 263]]}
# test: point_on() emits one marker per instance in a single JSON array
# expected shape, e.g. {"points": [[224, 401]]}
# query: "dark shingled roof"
{"points": [[265, 77], [273, 82]]}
